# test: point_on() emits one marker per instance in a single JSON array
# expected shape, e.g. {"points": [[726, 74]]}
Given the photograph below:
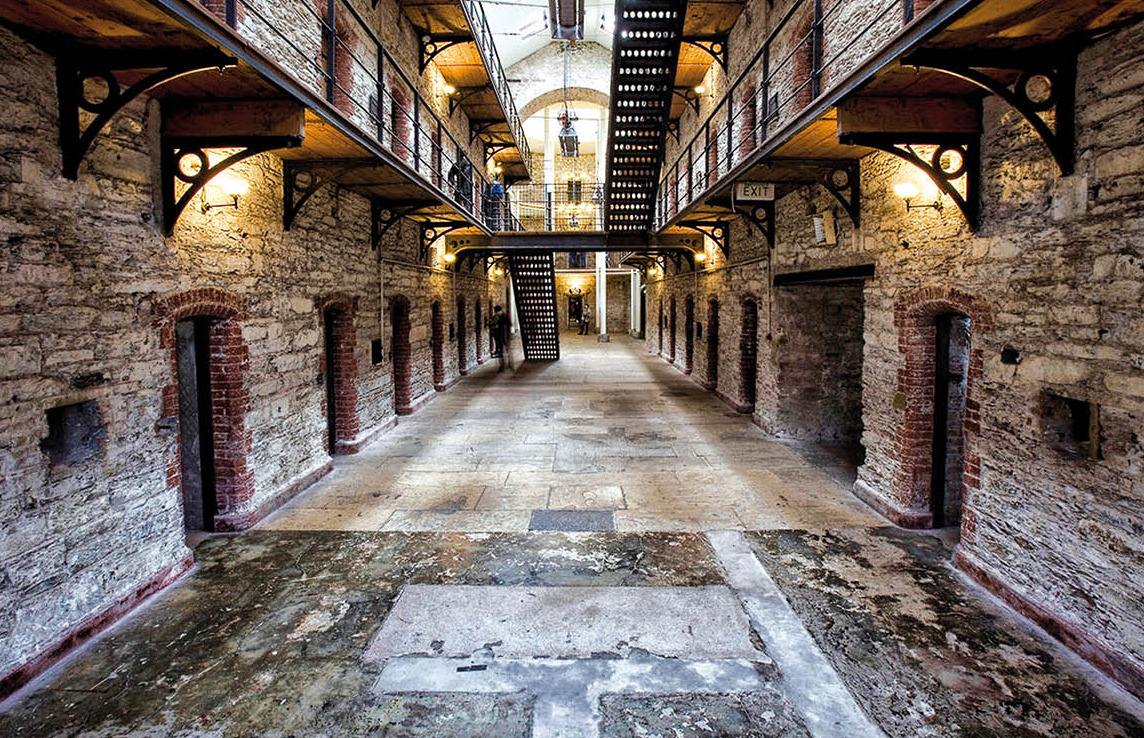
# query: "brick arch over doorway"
{"points": [[229, 398], [339, 366], [437, 344], [915, 317], [402, 349]]}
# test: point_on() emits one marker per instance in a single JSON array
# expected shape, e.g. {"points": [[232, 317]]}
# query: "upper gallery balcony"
{"points": [[833, 81], [370, 114]]}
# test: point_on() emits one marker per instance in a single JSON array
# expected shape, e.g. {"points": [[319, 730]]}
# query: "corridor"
{"points": [[744, 592], [608, 431]]}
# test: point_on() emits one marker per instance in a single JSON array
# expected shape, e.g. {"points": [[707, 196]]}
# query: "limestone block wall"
{"points": [[1052, 284], [619, 300], [91, 292]]}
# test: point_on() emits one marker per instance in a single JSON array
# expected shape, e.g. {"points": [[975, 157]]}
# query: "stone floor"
{"points": [[429, 614], [606, 428]]}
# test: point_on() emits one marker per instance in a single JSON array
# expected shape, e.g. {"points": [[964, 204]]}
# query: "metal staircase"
{"points": [[534, 288], [644, 57]]}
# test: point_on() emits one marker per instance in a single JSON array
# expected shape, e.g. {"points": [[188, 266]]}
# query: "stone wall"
{"points": [[1052, 281], [91, 293]]}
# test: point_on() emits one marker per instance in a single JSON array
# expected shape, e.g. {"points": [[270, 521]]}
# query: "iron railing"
{"points": [[566, 206], [483, 35], [329, 47], [810, 47]]}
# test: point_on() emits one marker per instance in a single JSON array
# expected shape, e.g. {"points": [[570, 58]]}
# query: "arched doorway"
{"points": [[478, 325], [209, 400], [748, 353], [671, 332], [402, 354], [437, 344], [462, 338], [937, 436], [688, 333], [712, 343], [340, 369], [661, 351], [951, 370]]}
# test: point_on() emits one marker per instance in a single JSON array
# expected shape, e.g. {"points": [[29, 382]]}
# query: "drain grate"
{"points": [[590, 521]]}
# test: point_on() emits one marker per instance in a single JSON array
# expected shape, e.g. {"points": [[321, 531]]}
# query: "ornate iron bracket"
{"points": [[480, 128], [434, 229], [762, 216], [431, 46], [842, 181], [717, 230], [176, 150], [715, 46], [464, 94], [687, 95], [955, 158], [1055, 83], [384, 216], [493, 148], [73, 74], [302, 180], [673, 129], [676, 259]]}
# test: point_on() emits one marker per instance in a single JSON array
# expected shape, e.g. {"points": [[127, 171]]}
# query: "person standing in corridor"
{"points": [[585, 320], [499, 325]]}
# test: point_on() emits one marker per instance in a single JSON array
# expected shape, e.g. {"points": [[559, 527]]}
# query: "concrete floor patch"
{"points": [[565, 622]]}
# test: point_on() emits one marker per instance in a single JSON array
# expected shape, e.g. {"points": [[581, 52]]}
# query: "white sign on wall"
{"points": [[754, 191]]}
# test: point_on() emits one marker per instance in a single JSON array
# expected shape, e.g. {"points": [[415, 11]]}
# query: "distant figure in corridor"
{"points": [[585, 320], [499, 325]]}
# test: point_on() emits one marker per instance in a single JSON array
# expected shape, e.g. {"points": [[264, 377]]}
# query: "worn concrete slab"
{"points": [[565, 622]]}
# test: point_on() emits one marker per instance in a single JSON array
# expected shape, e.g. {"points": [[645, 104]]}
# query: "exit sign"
{"points": [[754, 191]]}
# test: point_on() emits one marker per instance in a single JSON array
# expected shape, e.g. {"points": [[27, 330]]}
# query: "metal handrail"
{"points": [[558, 206], [343, 60], [483, 36], [769, 93]]}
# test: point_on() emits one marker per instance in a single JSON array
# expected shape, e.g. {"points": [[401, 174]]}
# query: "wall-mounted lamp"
{"points": [[231, 185], [700, 256], [448, 258], [448, 89], [702, 91], [909, 191], [498, 271]]}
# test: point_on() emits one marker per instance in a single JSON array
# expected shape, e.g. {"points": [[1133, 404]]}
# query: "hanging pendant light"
{"points": [[569, 140]]}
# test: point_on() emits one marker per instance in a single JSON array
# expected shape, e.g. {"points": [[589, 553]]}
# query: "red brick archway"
{"points": [[336, 316], [712, 343], [229, 398], [671, 326], [437, 345], [688, 333], [749, 352], [478, 325], [915, 317], [462, 337], [402, 355]]}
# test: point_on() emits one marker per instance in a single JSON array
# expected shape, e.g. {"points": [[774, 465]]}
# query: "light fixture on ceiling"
{"points": [[569, 140]]}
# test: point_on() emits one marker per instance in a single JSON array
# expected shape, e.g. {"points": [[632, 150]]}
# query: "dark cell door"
{"points": [[329, 320], [196, 426], [749, 350], [951, 365]]}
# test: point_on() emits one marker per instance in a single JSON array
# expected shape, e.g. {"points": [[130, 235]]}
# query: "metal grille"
{"points": [[534, 288], [644, 57]]}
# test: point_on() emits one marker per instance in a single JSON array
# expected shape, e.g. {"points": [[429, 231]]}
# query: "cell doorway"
{"points": [[196, 423], [951, 368]]}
